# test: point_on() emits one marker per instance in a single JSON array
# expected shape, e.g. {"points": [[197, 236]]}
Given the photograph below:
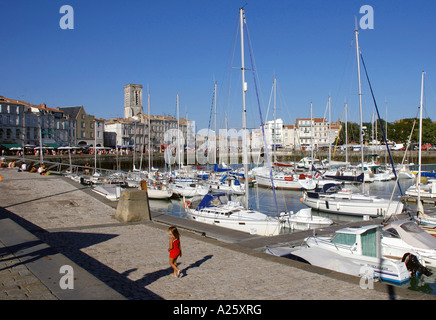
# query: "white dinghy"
{"points": [[304, 220]]}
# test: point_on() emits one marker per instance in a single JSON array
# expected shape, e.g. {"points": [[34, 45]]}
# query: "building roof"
{"points": [[16, 102], [71, 111]]}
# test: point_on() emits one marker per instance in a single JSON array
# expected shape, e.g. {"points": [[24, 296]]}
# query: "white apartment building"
{"points": [[316, 131]]}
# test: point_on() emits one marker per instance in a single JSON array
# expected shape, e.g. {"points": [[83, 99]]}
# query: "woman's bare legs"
{"points": [[173, 264]]}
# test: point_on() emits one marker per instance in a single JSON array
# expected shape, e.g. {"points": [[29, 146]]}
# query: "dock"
{"points": [[60, 222]]}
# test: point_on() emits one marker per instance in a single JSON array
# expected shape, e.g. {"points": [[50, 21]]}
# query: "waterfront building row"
{"points": [[25, 124]]}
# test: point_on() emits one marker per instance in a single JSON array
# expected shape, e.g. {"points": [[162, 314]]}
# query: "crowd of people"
{"points": [[41, 169]]}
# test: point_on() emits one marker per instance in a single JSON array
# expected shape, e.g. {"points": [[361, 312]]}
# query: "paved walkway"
{"points": [[131, 260]]}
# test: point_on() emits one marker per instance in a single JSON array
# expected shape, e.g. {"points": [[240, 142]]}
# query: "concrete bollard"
{"points": [[133, 206]]}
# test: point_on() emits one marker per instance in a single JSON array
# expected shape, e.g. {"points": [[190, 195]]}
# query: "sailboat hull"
{"points": [[262, 228], [352, 204], [286, 182]]}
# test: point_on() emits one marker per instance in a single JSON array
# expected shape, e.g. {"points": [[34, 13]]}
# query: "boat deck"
{"points": [[413, 199]]}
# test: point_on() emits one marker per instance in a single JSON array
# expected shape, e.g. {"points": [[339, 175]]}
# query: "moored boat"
{"points": [[351, 250], [231, 214]]}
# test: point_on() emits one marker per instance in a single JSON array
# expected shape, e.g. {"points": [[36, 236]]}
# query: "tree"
{"points": [[398, 131]]}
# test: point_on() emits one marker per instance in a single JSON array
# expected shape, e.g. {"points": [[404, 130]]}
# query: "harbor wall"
{"points": [[125, 162]]}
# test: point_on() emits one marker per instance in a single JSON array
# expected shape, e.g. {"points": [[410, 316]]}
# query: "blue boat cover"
{"points": [[207, 199]]}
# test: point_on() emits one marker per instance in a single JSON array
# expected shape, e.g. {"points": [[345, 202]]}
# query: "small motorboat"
{"points": [[351, 250], [304, 220]]}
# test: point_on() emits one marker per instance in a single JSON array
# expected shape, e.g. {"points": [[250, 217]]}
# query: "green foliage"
{"points": [[398, 131]]}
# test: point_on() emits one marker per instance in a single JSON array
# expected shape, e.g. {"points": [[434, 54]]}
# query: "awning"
{"points": [[11, 145], [51, 145]]}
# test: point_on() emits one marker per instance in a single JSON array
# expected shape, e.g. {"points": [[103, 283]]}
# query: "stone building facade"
{"points": [[132, 100]]}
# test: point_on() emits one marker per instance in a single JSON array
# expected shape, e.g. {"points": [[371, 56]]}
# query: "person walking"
{"points": [[175, 249]]}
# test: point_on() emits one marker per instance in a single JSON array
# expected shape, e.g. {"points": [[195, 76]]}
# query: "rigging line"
{"points": [[402, 163], [254, 69], [381, 123], [260, 114], [344, 73], [337, 139], [208, 131], [227, 102], [269, 103]]}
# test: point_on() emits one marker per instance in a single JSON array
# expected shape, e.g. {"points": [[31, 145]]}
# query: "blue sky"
{"points": [[184, 46]]}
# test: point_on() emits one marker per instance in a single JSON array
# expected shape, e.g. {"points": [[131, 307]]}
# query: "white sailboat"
{"points": [[338, 200], [189, 189], [286, 180], [304, 220], [225, 183], [286, 177], [419, 190], [156, 188], [344, 201], [232, 214]]}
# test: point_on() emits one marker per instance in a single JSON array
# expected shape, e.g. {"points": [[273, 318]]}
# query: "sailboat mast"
{"points": [[330, 131], [275, 118], [214, 102], [311, 136], [244, 111], [356, 31], [149, 146], [346, 134], [418, 180], [215, 105], [178, 133]]}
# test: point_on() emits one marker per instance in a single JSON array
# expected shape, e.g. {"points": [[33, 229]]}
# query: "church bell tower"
{"points": [[132, 100]]}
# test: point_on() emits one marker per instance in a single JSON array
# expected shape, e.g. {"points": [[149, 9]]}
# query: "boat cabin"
{"points": [[359, 240]]}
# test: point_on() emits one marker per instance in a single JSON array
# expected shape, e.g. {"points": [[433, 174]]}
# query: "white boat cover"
{"points": [[412, 234], [320, 258]]}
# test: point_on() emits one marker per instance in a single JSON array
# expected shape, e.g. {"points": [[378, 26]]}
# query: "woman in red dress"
{"points": [[175, 249]]}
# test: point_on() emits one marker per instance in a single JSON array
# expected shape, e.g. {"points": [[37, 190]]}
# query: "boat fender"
{"points": [[327, 204], [187, 204]]}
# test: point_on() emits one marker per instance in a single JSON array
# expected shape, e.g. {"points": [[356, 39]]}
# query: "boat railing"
{"points": [[330, 243], [58, 167]]}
